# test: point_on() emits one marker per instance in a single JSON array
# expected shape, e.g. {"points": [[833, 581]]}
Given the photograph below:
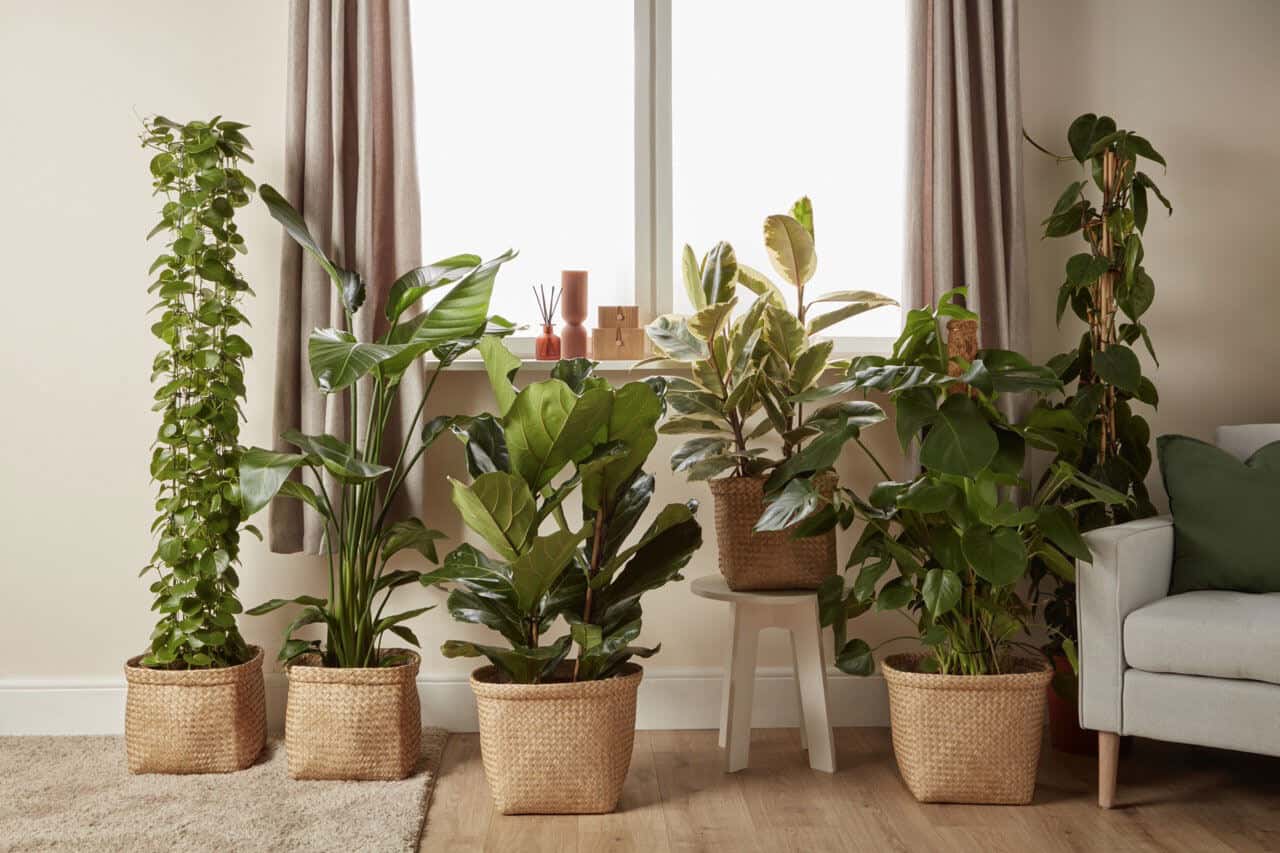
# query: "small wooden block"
{"points": [[617, 344], [619, 317]]}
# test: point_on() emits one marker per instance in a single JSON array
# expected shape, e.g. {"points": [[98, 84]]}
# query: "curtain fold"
{"points": [[351, 171], [964, 188]]}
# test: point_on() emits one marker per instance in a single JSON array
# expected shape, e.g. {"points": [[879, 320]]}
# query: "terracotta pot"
{"points": [[353, 723], [560, 747], [750, 560], [967, 738], [194, 720]]}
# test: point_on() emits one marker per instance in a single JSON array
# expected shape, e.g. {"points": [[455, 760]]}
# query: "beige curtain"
{"points": [[350, 169], [964, 191]]}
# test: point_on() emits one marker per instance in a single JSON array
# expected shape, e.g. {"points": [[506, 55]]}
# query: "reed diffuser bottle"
{"points": [[547, 345]]}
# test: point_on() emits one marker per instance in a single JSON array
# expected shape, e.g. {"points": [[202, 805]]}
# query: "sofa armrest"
{"points": [[1132, 566]]}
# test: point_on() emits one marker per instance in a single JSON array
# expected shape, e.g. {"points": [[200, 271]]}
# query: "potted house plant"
{"points": [[353, 709], [195, 700], [949, 550], [557, 716], [1109, 289], [750, 438]]}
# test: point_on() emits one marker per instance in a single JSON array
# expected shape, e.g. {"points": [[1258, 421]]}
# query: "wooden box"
{"points": [[617, 344], [618, 317]]}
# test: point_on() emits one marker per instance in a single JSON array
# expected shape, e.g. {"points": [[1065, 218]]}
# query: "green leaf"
{"points": [[1143, 148], [857, 302], [501, 366], [521, 664], [708, 322], [961, 441], [895, 595], [339, 458], [534, 570], [633, 416], [1117, 365], [296, 228], [277, 603], [719, 272], [337, 359], [855, 658], [696, 450], [500, 507], [486, 445], [549, 426], [758, 283], [928, 496], [1084, 131], [999, 556], [1085, 268], [916, 408], [411, 533], [790, 249], [940, 591], [692, 279], [798, 500], [262, 473], [413, 285]]}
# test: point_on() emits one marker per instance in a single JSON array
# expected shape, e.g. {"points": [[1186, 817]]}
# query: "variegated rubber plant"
{"points": [[745, 368]]}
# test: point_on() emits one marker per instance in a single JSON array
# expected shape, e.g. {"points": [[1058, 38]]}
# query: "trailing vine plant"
{"points": [[1108, 288], [200, 371]]}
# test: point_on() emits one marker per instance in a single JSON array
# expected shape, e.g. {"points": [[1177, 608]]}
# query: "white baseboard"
{"points": [[669, 699]]}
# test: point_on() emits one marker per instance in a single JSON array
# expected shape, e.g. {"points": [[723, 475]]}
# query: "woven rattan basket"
{"points": [[353, 723], [967, 738], [560, 747], [194, 720], [751, 560]]}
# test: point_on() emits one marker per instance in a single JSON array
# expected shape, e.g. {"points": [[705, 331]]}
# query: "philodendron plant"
{"points": [[360, 538], [745, 371], [196, 168], [946, 547], [1110, 290], [572, 434]]}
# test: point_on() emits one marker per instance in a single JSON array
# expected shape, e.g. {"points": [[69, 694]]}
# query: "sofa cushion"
{"points": [[1225, 516], [1209, 632]]}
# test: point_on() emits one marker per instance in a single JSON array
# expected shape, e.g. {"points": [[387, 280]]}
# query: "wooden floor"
{"points": [[677, 799]]}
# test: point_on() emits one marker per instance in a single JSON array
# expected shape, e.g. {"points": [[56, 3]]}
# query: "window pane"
{"points": [[525, 139], [774, 101]]}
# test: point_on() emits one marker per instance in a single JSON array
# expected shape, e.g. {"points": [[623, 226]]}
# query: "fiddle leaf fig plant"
{"points": [[571, 434], [361, 539], [946, 547], [1109, 289], [200, 371], [746, 368]]}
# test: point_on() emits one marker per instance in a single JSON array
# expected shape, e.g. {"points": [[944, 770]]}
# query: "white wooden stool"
{"points": [[794, 611]]}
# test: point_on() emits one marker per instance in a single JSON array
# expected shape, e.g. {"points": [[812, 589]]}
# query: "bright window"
{"points": [[606, 135]]}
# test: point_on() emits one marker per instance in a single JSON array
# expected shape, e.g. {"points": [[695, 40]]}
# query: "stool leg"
{"points": [[812, 676], [742, 678], [795, 668], [727, 679]]}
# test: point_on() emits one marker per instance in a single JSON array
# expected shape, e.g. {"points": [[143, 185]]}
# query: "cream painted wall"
{"points": [[1201, 80], [75, 493]]}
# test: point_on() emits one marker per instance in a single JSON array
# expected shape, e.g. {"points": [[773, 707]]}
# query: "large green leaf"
{"points": [[1087, 130], [790, 248], [855, 302], [549, 426], [707, 323], [500, 507], [998, 556], [413, 285], [960, 441], [295, 227], [664, 549], [521, 664], [692, 279], [338, 457], [486, 446], [798, 500], [495, 610], [940, 591], [411, 533], [1059, 527], [534, 570], [262, 473], [758, 283], [1117, 365], [501, 366], [719, 273], [855, 658], [337, 359], [633, 418], [916, 408]]}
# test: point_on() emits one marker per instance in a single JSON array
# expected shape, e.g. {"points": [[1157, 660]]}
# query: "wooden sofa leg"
{"points": [[1108, 764]]}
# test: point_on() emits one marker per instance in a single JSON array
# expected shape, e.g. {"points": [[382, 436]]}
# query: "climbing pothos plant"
{"points": [[1109, 289], [359, 536], [571, 434], [200, 371], [946, 547], [745, 369]]}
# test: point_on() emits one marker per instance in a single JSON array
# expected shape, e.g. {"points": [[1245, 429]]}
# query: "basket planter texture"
{"points": [[559, 747], [967, 738], [353, 723], [194, 720], [773, 560]]}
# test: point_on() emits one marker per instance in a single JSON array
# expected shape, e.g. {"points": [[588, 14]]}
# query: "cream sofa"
{"points": [[1200, 667]]}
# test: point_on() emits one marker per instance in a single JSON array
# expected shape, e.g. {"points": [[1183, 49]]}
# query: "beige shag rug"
{"points": [[75, 793]]}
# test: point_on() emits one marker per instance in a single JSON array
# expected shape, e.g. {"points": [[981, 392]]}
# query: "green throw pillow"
{"points": [[1226, 516]]}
